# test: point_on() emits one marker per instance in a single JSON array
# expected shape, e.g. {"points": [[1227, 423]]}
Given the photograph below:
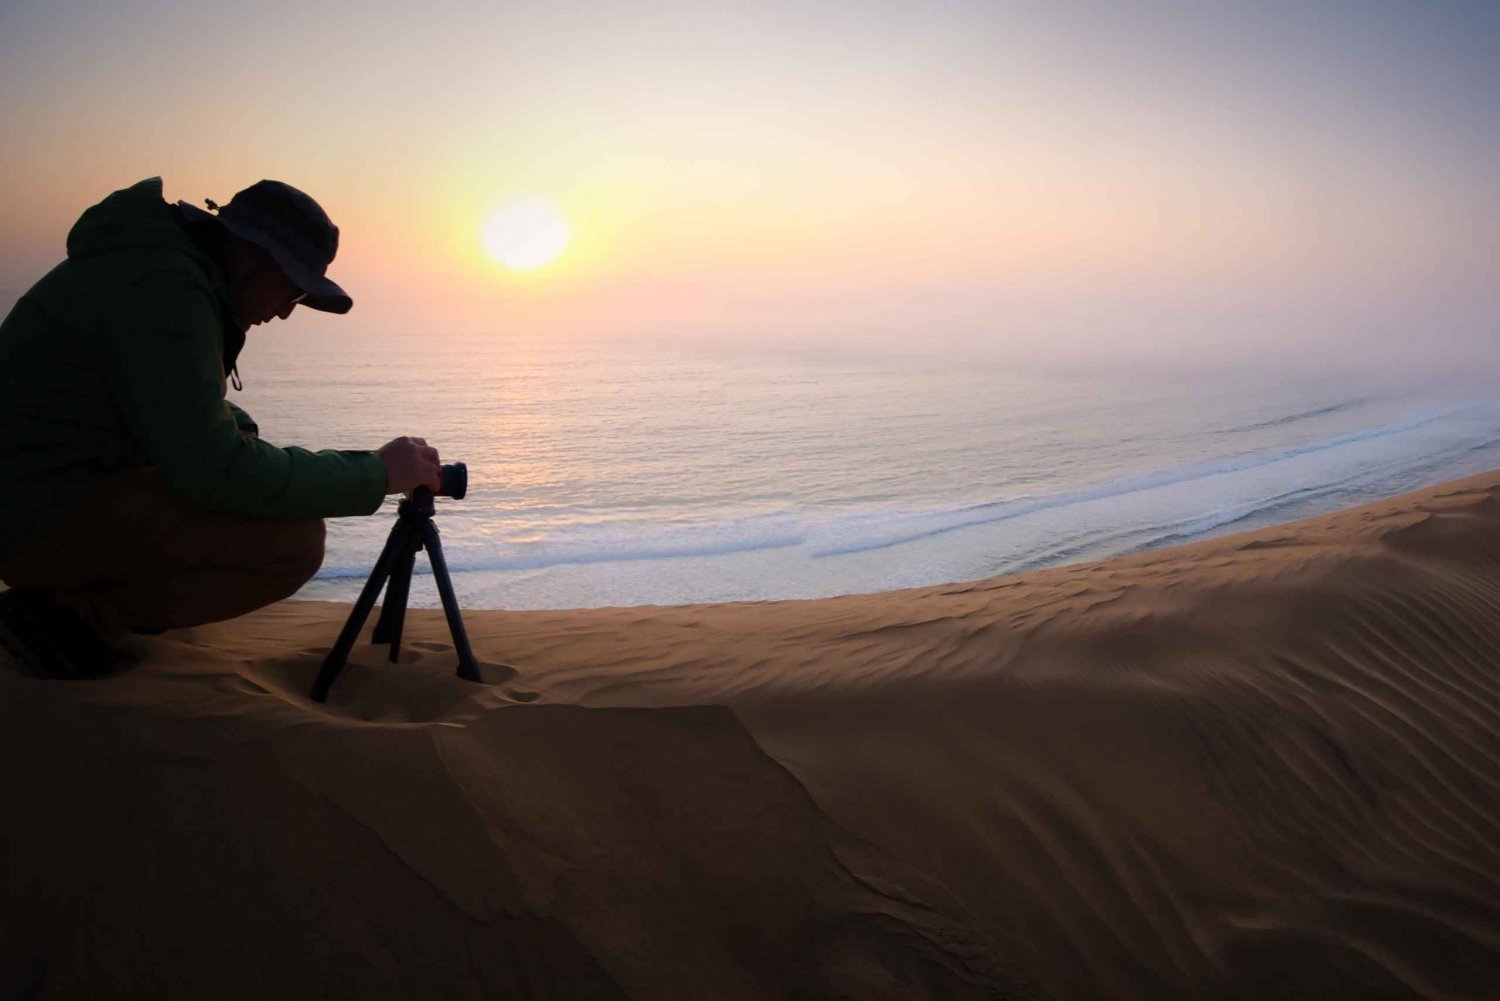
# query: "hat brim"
{"points": [[323, 293]]}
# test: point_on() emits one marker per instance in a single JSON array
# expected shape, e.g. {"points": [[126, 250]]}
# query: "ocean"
{"points": [[632, 473]]}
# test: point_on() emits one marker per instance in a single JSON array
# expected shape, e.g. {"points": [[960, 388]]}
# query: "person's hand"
{"points": [[410, 463]]}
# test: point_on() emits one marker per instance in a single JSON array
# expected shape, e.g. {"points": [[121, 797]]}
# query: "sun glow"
{"points": [[524, 235]]}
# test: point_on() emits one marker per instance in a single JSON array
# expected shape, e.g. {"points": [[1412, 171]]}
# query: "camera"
{"points": [[455, 481]]}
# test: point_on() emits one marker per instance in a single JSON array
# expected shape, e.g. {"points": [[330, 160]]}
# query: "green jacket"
{"points": [[117, 359]]}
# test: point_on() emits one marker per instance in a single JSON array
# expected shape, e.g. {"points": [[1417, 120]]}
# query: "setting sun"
{"points": [[524, 235]]}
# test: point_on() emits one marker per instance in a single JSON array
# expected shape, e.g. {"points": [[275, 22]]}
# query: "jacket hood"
{"points": [[138, 219], [133, 218]]}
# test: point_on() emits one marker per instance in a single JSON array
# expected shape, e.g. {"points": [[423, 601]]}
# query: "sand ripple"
{"points": [[1263, 766]]}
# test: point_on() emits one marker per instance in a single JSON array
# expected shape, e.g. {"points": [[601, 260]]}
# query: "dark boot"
{"points": [[50, 641]]}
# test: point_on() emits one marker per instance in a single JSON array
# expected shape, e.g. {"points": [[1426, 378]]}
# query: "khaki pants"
{"points": [[137, 556]]}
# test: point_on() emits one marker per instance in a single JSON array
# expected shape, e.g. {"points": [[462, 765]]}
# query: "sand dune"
{"points": [[1261, 766]]}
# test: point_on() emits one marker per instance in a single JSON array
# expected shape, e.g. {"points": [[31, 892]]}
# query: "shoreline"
{"points": [[1002, 539], [1258, 764]]}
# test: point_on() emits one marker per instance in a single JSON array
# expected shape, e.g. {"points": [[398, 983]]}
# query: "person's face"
{"points": [[261, 292]]}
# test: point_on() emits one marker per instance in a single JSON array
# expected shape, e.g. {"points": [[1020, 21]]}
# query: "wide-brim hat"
{"points": [[294, 230]]}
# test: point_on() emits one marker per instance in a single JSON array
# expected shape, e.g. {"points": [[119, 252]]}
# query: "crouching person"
{"points": [[133, 496]]}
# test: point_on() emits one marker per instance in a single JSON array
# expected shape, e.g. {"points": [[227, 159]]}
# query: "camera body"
{"points": [[455, 483]]}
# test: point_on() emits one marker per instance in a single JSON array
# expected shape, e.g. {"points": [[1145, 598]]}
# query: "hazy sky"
{"points": [[1295, 180]]}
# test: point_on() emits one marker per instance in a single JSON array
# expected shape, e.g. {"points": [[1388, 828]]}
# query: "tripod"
{"points": [[413, 531]]}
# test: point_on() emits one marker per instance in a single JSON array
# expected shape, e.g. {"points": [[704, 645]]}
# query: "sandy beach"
{"points": [[1260, 766]]}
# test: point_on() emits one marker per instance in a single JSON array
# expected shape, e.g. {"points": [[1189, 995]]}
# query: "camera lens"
{"points": [[455, 481]]}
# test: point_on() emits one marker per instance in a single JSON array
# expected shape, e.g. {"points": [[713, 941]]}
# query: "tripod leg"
{"points": [[382, 633], [467, 668], [395, 543], [399, 598], [393, 612]]}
